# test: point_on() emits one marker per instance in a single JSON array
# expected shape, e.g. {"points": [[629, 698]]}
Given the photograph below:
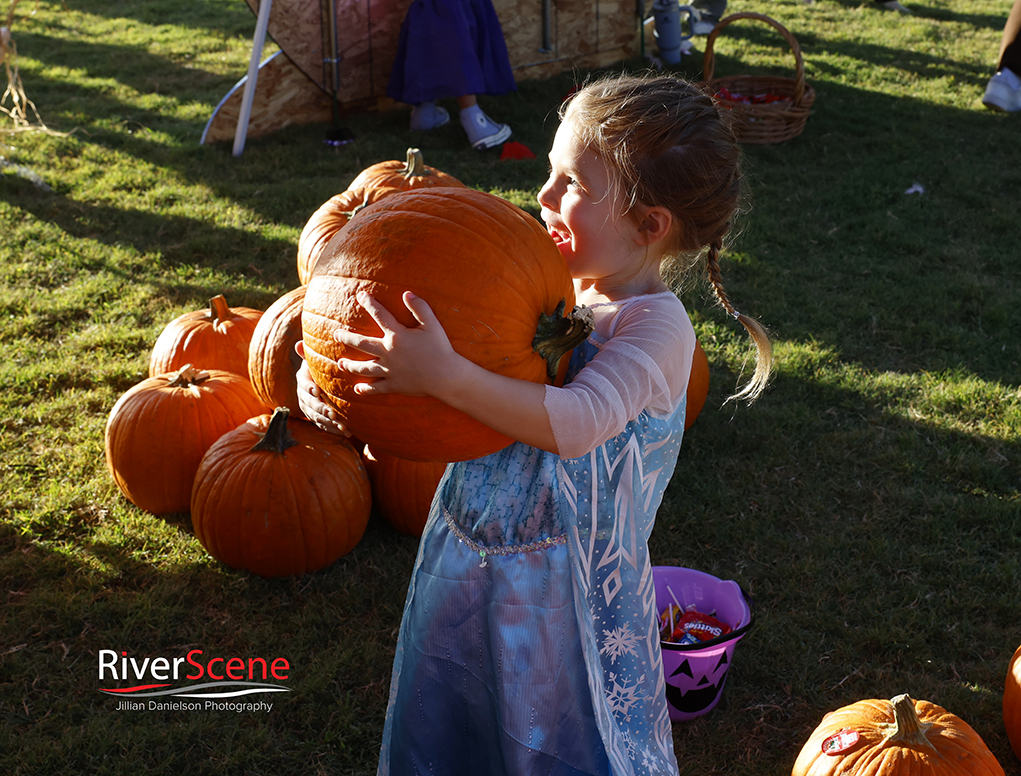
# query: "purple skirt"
{"points": [[450, 48]]}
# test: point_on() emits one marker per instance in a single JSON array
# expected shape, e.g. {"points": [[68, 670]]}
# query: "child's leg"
{"points": [[428, 115], [1003, 92], [482, 131]]}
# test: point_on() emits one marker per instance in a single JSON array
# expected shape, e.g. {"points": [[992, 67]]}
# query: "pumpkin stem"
{"points": [[277, 438], [187, 375], [416, 165], [558, 334], [219, 310], [906, 728], [349, 214]]}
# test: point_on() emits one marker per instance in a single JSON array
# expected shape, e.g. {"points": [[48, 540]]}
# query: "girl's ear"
{"points": [[657, 223]]}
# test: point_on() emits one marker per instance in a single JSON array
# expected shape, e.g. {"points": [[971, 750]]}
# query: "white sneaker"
{"points": [[482, 131], [428, 115], [1003, 92], [893, 5]]}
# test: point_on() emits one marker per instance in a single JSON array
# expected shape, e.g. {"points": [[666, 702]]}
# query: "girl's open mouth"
{"points": [[558, 237]]}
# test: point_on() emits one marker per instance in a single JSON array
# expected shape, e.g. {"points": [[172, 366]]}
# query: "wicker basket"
{"points": [[767, 122]]}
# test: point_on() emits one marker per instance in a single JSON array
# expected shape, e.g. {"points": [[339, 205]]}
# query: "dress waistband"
{"points": [[499, 549]]}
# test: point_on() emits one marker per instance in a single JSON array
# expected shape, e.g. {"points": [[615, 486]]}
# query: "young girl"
{"points": [[529, 641]]}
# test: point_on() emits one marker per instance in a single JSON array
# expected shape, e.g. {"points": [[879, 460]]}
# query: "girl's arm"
{"points": [[421, 362]]}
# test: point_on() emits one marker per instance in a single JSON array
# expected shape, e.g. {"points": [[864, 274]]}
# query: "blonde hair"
{"points": [[667, 145]]}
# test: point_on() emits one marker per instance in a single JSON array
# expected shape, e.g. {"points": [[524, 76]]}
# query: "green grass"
{"points": [[868, 502]]}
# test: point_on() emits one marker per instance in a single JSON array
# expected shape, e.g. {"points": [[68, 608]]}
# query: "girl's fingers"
{"points": [[379, 313], [420, 309], [362, 368], [373, 346]]}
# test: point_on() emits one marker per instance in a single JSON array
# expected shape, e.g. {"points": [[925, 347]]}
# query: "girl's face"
{"points": [[582, 210]]}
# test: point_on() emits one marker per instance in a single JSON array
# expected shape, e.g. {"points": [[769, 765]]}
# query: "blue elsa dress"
{"points": [[529, 643], [449, 48]]}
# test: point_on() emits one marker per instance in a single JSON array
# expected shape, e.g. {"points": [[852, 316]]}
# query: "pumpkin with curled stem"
{"points": [[329, 219], [1012, 702], [895, 738], [159, 429], [216, 337], [493, 277], [278, 496], [404, 176]]}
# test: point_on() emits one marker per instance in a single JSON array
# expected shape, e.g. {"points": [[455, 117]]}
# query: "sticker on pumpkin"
{"points": [[840, 741]]}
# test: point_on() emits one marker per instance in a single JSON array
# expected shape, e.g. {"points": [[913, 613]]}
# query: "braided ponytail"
{"points": [[763, 347]]}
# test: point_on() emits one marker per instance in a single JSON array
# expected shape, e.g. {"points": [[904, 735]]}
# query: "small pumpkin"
{"points": [[272, 363], [895, 738], [1012, 702], [411, 174], [329, 219], [278, 496], [214, 338], [402, 491], [698, 386], [159, 429], [496, 282]]}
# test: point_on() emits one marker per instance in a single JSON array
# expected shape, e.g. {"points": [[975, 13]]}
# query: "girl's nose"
{"points": [[546, 196]]}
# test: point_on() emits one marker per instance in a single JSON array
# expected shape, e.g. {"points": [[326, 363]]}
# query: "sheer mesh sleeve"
{"points": [[644, 364]]}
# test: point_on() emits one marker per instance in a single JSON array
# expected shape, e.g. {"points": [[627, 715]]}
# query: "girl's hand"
{"points": [[415, 361], [310, 402]]}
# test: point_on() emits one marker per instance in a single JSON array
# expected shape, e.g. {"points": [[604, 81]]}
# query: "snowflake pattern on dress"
{"points": [[619, 641]]}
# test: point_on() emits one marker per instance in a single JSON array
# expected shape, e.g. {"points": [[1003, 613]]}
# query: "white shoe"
{"points": [[1003, 92], [482, 131], [893, 5], [703, 26], [428, 115]]}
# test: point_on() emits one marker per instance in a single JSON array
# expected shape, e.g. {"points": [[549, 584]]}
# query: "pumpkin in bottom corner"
{"points": [[896, 737], [280, 497]]}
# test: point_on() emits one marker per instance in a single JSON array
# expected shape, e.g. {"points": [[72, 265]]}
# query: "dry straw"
{"points": [[15, 103], [766, 122]]}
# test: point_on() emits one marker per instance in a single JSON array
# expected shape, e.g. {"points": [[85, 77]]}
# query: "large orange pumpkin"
{"points": [[331, 216], [402, 491], [698, 386], [1012, 702], [895, 738], [272, 362], [491, 274], [159, 430], [278, 497], [214, 338], [412, 174]]}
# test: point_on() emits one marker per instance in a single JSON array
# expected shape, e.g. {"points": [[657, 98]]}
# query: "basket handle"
{"points": [[709, 63]]}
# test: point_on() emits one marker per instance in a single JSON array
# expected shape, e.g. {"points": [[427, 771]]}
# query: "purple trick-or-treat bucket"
{"points": [[695, 673]]}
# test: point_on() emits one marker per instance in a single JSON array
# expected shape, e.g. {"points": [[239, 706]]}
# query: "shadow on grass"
{"points": [[211, 15], [924, 10]]}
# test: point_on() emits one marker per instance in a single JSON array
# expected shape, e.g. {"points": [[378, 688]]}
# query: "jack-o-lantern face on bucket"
{"points": [[694, 687]]}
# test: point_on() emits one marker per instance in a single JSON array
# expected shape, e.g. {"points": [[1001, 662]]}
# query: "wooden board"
{"points": [[284, 95]]}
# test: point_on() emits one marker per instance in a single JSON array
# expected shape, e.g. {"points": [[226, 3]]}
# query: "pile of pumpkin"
{"points": [[216, 429]]}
